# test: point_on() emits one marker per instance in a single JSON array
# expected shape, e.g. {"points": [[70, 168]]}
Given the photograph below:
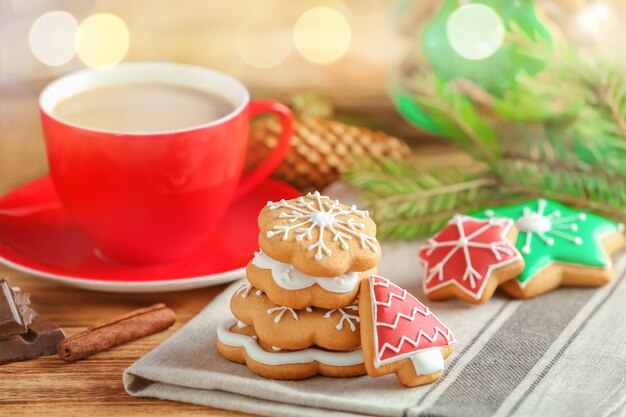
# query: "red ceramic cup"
{"points": [[154, 197]]}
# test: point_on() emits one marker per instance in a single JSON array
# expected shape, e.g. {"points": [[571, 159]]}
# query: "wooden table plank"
{"points": [[51, 387]]}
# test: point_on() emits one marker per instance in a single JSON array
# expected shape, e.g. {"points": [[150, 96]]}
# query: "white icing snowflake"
{"points": [[463, 243], [345, 316], [544, 225], [281, 312], [322, 213]]}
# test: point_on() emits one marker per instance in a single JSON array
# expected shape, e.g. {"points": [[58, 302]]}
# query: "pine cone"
{"points": [[321, 149]]}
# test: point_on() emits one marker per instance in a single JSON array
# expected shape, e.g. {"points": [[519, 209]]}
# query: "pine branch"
{"points": [[424, 226], [538, 99], [613, 107], [416, 227], [597, 192], [409, 202], [568, 148], [573, 110], [559, 134], [456, 116], [424, 194], [598, 81], [609, 87]]}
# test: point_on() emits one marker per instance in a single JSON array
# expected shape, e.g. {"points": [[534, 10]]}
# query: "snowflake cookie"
{"points": [[469, 258], [319, 236], [242, 345], [401, 335], [560, 246], [295, 329]]}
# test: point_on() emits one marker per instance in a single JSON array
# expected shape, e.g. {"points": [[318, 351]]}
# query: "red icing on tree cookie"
{"points": [[465, 252], [402, 325]]}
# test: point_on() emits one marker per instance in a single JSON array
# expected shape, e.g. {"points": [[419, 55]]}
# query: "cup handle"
{"points": [[251, 179]]}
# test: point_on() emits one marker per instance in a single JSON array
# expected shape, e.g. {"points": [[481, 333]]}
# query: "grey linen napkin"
{"points": [[561, 354]]}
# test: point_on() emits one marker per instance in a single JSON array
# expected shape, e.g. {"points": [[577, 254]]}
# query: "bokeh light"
{"points": [[594, 19], [52, 36], [475, 31], [102, 40], [322, 35], [264, 41]]}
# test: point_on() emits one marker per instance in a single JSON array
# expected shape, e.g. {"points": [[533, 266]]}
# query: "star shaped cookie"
{"points": [[469, 258], [560, 246]]}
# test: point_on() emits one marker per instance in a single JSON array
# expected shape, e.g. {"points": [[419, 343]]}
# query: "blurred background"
{"points": [[360, 55], [277, 48]]}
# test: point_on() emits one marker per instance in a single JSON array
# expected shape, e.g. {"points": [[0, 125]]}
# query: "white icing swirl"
{"points": [[309, 355], [289, 278]]}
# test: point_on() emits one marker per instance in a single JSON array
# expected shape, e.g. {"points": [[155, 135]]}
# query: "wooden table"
{"points": [[48, 386]]}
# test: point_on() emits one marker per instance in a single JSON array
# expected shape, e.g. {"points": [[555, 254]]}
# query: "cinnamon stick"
{"points": [[126, 328]]}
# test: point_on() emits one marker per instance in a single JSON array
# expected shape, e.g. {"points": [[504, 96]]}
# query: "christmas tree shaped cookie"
{"points": [[560, 246], [400, 335], [469, 258]]}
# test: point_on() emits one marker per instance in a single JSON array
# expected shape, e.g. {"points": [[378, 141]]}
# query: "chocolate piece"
{"points": [[28, 314], [11, 320], [40, 340], [22, 299]]}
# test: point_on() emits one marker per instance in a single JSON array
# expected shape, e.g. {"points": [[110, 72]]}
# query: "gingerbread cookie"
{"points": [[289, 328], [287, 286], [469, 258], [319, 236], [242, 346], [560, 246], [400, 335]]}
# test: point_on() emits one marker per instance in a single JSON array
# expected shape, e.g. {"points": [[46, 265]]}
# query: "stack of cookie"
{"points": [[297, 316]]}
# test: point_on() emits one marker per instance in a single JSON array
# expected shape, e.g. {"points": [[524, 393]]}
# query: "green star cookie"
{"points": [[560, 245]]}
